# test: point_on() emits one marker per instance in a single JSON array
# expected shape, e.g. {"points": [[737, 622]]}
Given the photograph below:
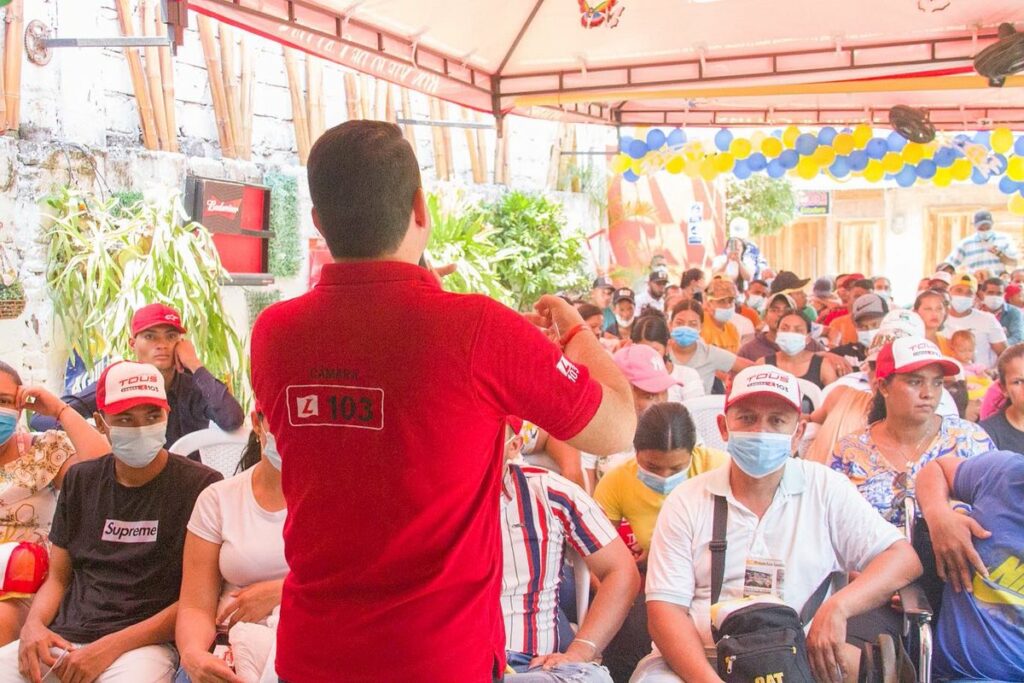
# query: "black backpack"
{"points": [[760, 643]]}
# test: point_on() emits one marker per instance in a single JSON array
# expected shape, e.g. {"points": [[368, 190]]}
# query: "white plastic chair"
{"points": [[217, 449], [812, 392], [705, 411], [581, 573]]}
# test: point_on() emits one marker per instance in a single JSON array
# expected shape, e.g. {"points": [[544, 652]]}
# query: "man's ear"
{"points": [[101, 424], [723, 429], [420, 213], [131, 343]]}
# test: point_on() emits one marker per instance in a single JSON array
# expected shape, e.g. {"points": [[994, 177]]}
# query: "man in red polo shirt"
{"points": [[387, 397]]}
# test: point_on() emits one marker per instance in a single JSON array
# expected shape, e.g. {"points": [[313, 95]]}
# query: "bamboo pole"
{"points": [[232, 88], [167, 82], [407, 129], [440, 168], [213, 68], [4, 125], [380, 106], [246, 94], [474, 158], [351, 96], [367, 91], [389, 104], [556, 157], [315, 97], [446, 136], [299, 118], [481, 146], [156, 90], [13, 47], [501, 152], [149, 134]]}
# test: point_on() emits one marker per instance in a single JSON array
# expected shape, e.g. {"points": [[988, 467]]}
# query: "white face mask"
{"points": [[755, 301], [961, 304], [137, 447], [624, 322], [993, 302], [865, 337], [791, 343]]}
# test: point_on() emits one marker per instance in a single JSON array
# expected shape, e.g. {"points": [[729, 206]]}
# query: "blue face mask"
{"points": [[724, 315], [662, 485], [791, 343], [8, 424], [270, 450], [759, 454], [685, 336]]}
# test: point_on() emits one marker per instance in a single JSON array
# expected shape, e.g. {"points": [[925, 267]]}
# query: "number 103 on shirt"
{"points": [[328, 405]]}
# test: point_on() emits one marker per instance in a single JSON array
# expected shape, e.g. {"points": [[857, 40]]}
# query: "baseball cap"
{"points": [[908, 354], [786, 297], [845, 280], [764, 380], [1012, 290], [127, 384], [896, 324], [658, 275], [154, 315], [822, 287], [644, 368], [965, 280], [787, 280], [603, 282], [624, 293], [941, 276], [867, 305], [23, 567], [981, 217]]}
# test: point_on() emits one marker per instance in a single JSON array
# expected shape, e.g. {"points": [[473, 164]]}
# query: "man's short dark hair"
{"points": [[994, 281], [861, 284], [757, 282], [690, 276], [363, 176]]}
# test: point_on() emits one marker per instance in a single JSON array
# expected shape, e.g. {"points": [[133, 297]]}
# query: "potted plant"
{"points": [[12, 294]]}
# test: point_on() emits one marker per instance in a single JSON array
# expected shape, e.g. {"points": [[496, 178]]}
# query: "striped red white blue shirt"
{"points": [[541, 512]]}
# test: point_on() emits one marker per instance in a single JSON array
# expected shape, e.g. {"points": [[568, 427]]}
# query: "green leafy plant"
{"points": [[258, 299], [768, 203], [106, 260], [284, 222], [12, 292], [547, 258]]}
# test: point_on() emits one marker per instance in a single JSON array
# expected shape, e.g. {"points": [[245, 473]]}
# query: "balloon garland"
{"points": [[979, 158]]}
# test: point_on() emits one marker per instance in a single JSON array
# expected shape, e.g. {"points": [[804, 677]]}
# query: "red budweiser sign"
{"points": [[238, 215]]}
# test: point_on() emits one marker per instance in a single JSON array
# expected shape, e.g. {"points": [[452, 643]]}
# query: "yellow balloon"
{"points": [[806, 168], [893, 162], [1001, 140], [692, 168], [1016, 204], [1015, 169], [824, 156], [862, 135], [771, 147], [707, 169], [723, 162], [637, 166], [675, 165], [790, 135], [757, 139], [913, 152], [874, 171], [943, 177], [621, 163], [962, 170], [843, 143], [740, 148]]}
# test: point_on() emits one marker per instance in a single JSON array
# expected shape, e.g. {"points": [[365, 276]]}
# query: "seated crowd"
{"points": [[782, 435]]}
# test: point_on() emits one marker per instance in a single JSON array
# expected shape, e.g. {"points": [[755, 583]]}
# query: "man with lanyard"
{"points": [[391, 433], [993, 300], [601, 296], [654, 295], [985, 249], [195, 396]]}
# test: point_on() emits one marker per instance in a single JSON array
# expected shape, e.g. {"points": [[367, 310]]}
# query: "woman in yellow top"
{"points": [[720, 307]]}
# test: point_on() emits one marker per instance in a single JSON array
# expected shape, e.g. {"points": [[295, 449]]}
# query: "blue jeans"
{"points": [[565, 673]]}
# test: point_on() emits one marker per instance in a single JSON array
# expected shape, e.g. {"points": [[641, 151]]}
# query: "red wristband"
{"points": [[564, 341]]}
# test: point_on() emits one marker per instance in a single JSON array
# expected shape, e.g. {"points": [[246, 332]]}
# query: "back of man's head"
{"points": [[363, 176]]}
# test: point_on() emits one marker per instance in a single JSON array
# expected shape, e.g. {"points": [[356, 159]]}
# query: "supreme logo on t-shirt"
{"points": [[329, 405], [116, 531]]}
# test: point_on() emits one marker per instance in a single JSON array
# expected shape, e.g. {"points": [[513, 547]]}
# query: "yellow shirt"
{"points": [[727, 337], [623, 496]]}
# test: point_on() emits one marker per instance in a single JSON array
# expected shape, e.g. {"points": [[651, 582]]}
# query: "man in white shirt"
{"points": [[654, 295], [798, 519], [989, 335]]}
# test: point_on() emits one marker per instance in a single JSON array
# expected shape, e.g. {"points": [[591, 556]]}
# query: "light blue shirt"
{"points": [[973, 252]]}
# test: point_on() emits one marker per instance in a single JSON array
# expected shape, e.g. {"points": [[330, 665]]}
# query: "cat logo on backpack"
{"points": [[770, 678]]}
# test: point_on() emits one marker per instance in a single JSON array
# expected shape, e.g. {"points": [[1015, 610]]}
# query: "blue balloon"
{"points": [[877, 147], [944, 157], [858, 160], [757, 162], [777, 133], [895, 142], [775, 169], [637, 149], [806, 144], [723, 139], [789, 159], [846, 130], [1007, 186], [1018, 147], [1001, 164], [624, 142], [962, 139], [982, 138], [655, 139], [676, 138], [742, 169], [630, 177], [826, 135], [840, 167], [979, 177], [926, 169], [907, 176]]}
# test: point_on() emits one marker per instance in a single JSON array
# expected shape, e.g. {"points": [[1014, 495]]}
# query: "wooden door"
{"points": [[798, 247]]}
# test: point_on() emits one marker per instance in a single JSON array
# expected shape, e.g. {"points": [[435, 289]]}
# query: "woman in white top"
{"points": [[234, 566], [32, 468]]}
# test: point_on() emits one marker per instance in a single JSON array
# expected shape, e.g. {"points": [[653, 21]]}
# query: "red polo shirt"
{"points": [[387, 397]]}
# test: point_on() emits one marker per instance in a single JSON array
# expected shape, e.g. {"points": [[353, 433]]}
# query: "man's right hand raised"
{"points": [[554, 316]]}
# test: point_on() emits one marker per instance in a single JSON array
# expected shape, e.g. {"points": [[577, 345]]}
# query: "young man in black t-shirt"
{"points": [[108, 606]]}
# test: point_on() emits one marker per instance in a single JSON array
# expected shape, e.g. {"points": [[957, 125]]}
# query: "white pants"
{"points": [[654, 669], [149, 664]]}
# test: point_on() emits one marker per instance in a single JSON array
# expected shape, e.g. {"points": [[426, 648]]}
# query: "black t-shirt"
{"points": [[125, 544], [1005, 435], [854, 350]]}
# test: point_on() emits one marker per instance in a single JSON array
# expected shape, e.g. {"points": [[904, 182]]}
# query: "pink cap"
{"points": [[125, 385], [764, 380], [644, 368]]}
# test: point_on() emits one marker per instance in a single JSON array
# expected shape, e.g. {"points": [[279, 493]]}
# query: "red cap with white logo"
{"points": [[155, 315], [910, 354], [23, 568], [764, 380], [125, 385]]}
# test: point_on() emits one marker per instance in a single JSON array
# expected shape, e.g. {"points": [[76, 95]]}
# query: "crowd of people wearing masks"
{"points": [[368, 535]]}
